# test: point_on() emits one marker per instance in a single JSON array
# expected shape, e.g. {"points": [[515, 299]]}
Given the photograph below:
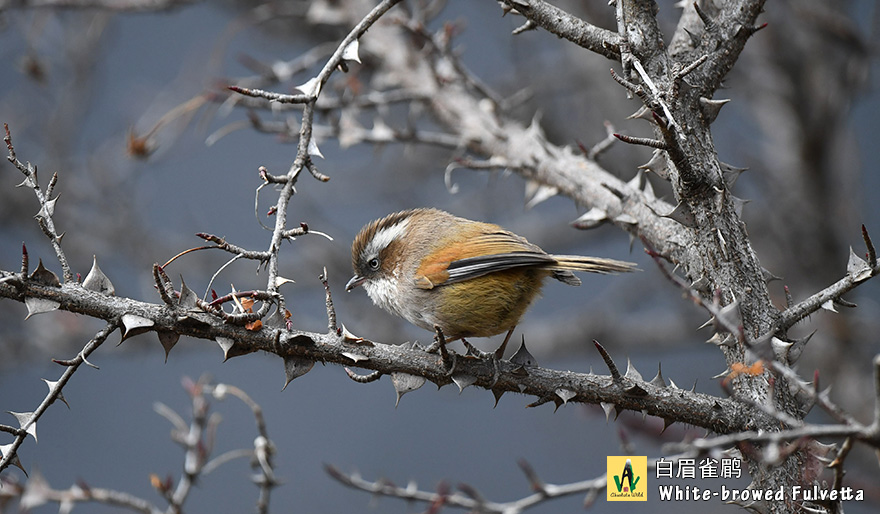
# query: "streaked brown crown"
{"points": [[371, 229]]}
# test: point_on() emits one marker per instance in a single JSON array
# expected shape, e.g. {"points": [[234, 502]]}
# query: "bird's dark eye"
{"points": [[373, 264]]}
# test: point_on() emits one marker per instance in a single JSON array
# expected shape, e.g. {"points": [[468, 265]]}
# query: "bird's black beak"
{"points": [[354, 282]]}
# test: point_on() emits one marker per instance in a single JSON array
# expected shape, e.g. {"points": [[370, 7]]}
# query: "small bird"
{"points": [[468, 278]]}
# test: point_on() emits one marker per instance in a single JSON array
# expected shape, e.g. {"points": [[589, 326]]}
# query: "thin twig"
{"points": [[468, 498], [271, 96], [801, 310], [305, 135], [47, 205], [691, 67], [643, 141], [328, 301], [567, 26], [56, 388]]}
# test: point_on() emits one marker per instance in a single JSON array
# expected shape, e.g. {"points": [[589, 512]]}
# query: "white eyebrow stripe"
{"points": [[384, 237]]}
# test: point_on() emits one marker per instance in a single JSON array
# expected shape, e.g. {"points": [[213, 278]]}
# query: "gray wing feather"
{"points": [[473, 267]]}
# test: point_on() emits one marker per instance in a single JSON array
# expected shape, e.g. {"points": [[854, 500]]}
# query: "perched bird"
{"points": [[470, 279]]}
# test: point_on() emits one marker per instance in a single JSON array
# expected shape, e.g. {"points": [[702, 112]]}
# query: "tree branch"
{"points": [[656, 399], [567, 26]]}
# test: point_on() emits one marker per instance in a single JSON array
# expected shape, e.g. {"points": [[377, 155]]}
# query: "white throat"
{"points": [[383, 292]]}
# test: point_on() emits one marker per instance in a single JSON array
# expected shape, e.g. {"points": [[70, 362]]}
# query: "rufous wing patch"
{"points": [[423, 282], [431, 274]]}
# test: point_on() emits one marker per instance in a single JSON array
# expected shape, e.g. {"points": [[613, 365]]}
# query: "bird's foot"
{"points": [[473, 351], [439, 346]]}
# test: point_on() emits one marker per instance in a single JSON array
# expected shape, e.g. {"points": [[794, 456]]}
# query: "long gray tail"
{"points": [[565, 264]]}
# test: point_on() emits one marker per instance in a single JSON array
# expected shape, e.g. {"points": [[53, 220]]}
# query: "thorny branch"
{"points": [[469, 497], [567, 26], [197, 439], [657, 398], [629, 392], [40, 489], [9, 452], [832, 294], [47, 204], [307, 147]]}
